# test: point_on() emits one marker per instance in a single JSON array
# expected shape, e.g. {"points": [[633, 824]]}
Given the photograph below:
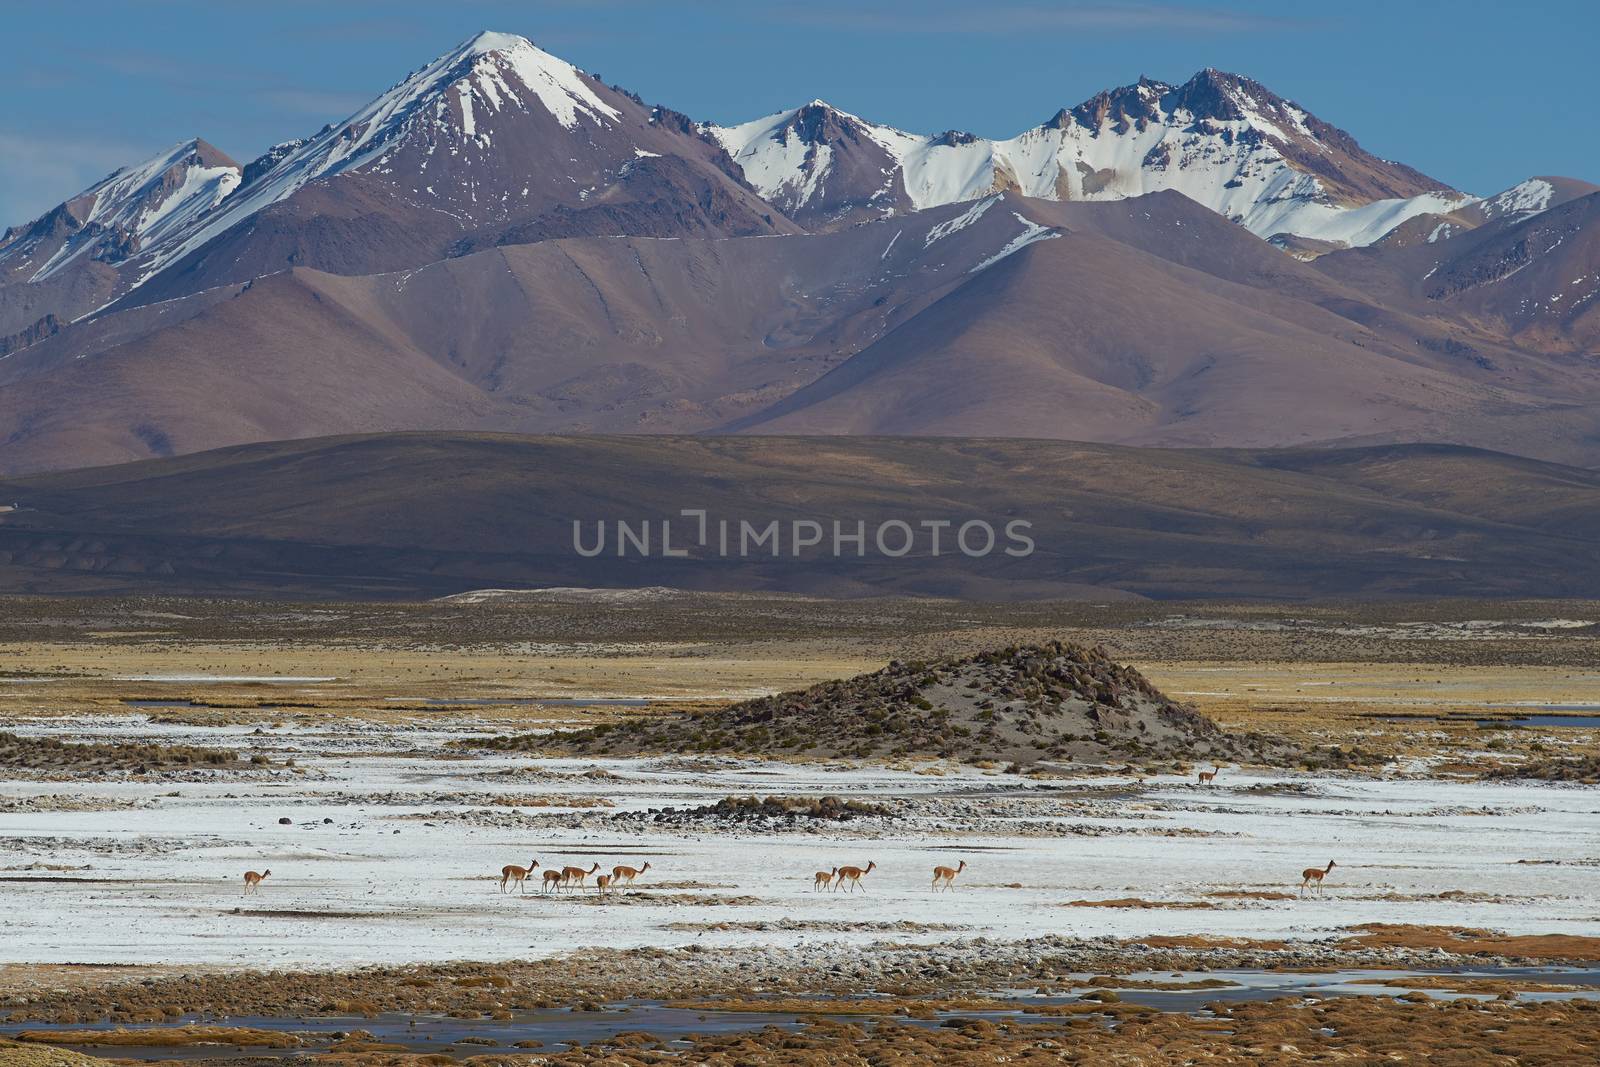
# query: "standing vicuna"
{"points": [[823, 879], [570, 875], [552, 880], [1314, 875], [621, 874], [853, 875], [1207, 777], [512, 873], [946, 876], [602, 884], [253, 880]]}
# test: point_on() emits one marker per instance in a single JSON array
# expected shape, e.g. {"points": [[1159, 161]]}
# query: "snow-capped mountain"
{"points": [[497, 140], [129, 210], [1529, 198], [1220, 139], [444, 116]]}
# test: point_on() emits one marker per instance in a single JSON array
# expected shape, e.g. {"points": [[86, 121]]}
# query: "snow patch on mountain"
{"points": [[1031, 233], [960, 222], [558, 84], [775, 160], [1352, 226], [1221, 140], [935, 173], [787, 169], [1525, 198], [140, 205], [1226, 165]]}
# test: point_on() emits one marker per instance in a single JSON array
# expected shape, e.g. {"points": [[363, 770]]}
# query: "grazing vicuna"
{"points": [[570, 875], [853, 876], [1314, 876], [823, 879], [253, 880], [511, 873], [627, 874], [946, 876]]}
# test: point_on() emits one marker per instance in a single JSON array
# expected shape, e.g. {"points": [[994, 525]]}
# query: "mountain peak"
{"points": [[1532, 197], [1209, 94], [494, 41], [1123, 108], [1222, 96], [457, 98], [127, 210], [819, 122]]}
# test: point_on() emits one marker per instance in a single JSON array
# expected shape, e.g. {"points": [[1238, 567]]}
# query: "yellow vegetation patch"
{"points": [[1466, 940], [164, 1037], [15, 1055], [1136, 902]]}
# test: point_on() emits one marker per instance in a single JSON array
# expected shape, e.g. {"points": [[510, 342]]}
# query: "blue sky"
{"points": [[1479, 95]]}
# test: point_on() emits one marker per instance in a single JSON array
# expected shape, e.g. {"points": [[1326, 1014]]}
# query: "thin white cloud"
{"points": [[318, 102], [1019, 18]]}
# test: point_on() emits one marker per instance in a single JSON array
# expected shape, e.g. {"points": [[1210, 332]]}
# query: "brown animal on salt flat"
{"points": [[946, 876], [853, 876], [1314, 875], [552, 879], [1207, 777], [577, 874], [627, 874], [602, 884], [252, 880], [512, 873], [823, 879]]}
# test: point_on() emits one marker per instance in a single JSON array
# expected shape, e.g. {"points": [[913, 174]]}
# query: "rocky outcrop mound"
{"points": [[1022, 704]]}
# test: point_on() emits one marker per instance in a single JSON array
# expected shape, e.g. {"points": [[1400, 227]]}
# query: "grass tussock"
{"points": [[164, 1037], [50, 755]]}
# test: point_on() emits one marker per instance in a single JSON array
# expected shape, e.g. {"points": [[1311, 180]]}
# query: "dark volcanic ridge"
{"points": [[1054, 701], [408, 516]]}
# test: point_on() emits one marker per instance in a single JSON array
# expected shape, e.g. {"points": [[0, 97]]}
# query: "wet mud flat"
{"points": [[1111, 1015]]}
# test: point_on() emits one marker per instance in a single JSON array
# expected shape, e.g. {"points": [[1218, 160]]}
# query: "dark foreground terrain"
{"points": [[953, 1019], [408, 516]]}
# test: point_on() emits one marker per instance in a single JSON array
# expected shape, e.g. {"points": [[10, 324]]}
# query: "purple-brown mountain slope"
{"points": [[1529, 274], [1151, 321], [501, 242], [575, 335]]}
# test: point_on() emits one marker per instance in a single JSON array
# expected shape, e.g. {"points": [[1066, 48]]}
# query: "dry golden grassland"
{"points": [[1398, 680]]}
